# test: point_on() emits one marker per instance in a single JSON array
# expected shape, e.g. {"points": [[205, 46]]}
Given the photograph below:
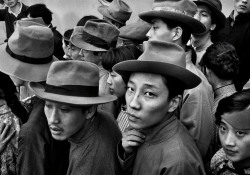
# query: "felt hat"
{"points": [[95, 35], [215, 6], [238, 119], [38, 20], [29, 52], [72, 82], [163, 58], [182, 11], [118, 11], [135, 31]]}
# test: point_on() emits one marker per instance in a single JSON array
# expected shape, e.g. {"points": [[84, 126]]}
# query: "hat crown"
{"points": [[164, 52], [32, 40], [74, 72], [182, 6], [212, 3], [120, 10]]}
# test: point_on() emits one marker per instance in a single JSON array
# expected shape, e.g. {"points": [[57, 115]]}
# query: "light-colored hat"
{"points": [[215, 6], [72, 82], [135, 31], [95, 35], [163, 58], [182, 11], [38, 20], [29, 52], [118, 11]]}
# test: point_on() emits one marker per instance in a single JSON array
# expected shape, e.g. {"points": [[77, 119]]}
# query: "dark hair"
{"points": [[174, 86], [40, 10], [67, 34], [186, 33], [222, 59], [237, 102], [84, 19], [119, 54]]}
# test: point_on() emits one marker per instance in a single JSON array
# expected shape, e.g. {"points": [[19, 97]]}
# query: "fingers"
{"points": [[7, 139]]}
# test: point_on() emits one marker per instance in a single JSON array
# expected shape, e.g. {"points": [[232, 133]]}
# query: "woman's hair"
{"points": [[237, 102], [222, 59], [119, 54]]}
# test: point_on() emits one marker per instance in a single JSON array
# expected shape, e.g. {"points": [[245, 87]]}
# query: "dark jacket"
{"points": [[58, 50], [38, 152], [10, 19], [238, 35]]}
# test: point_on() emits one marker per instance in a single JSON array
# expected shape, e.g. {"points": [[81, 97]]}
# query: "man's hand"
{"points": [[4, 136]]}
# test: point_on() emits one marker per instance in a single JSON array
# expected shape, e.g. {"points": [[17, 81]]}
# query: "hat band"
{"points": [[29, 59], [73, 90], [170, 9], [95, 41]]}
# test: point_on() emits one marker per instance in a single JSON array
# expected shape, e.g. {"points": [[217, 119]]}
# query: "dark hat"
{"points": [[135, 31], [29, 51], [72, 82], [163, 58], [215, 6], [95, 35], [182, 11], [118, 11]]}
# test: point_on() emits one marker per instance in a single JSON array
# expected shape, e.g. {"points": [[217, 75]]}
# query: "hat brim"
{"points": [[219, 17], [194, 25], [187, 78], [104, 11], [78, 42], [22, 70], [39, 91]]}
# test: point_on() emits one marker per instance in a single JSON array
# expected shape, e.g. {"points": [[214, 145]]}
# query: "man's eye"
{"points": [[240, 133], [129, 89], [150, 94], [222, 128]]}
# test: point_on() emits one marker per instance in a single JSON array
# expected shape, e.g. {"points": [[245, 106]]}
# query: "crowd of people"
{"points": [[165, 95]]}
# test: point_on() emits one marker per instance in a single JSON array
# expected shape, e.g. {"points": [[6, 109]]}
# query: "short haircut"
{"points": [[84, 19], [186, 33], [67, 34], [40, 10], [119, 54], [237, 102], [222, 59]]}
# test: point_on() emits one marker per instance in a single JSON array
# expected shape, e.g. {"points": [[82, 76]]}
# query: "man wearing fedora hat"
{"points": [[94, 39], [116, 13], [174, 21], [208, 13], [26, 57], [237, 32], [156, 142], [71, 99]]}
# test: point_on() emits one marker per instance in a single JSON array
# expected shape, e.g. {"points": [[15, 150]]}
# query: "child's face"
{"points": [[116, 84], [11, 3], [147, 100], [235, 142]]}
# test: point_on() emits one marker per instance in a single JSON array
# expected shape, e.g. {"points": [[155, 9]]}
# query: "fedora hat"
{"points": [[72, 82], [95, 35], [38, 20], [182, 11], [215, 6], [135, 31], [29, 52], [117, 10], [163, 58]]}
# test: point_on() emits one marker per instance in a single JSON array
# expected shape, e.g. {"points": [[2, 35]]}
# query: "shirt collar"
{"points": [[18, 12]]}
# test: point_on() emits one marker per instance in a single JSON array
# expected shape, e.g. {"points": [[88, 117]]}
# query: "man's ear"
{"points": [[90, 112], [177, 33], [174, 103]]}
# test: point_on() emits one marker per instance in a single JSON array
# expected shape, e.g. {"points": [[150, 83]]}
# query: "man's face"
{"points": [[160, 31], [64, 120], [147, 100], [11, 3], [90, 57], [242, 6], [203, 15], [74, 52], [116, 84]]}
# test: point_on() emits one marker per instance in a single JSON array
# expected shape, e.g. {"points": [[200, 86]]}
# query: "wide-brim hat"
{"points": [[163, 58], [216, 7], [29, 52], [96, 35], [182, 11], [117, 10], [72, 82]]}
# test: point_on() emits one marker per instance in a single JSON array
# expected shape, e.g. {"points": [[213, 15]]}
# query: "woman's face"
{"points": [[116, 84], [63, 120], [235, 142], [147, 100]]}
